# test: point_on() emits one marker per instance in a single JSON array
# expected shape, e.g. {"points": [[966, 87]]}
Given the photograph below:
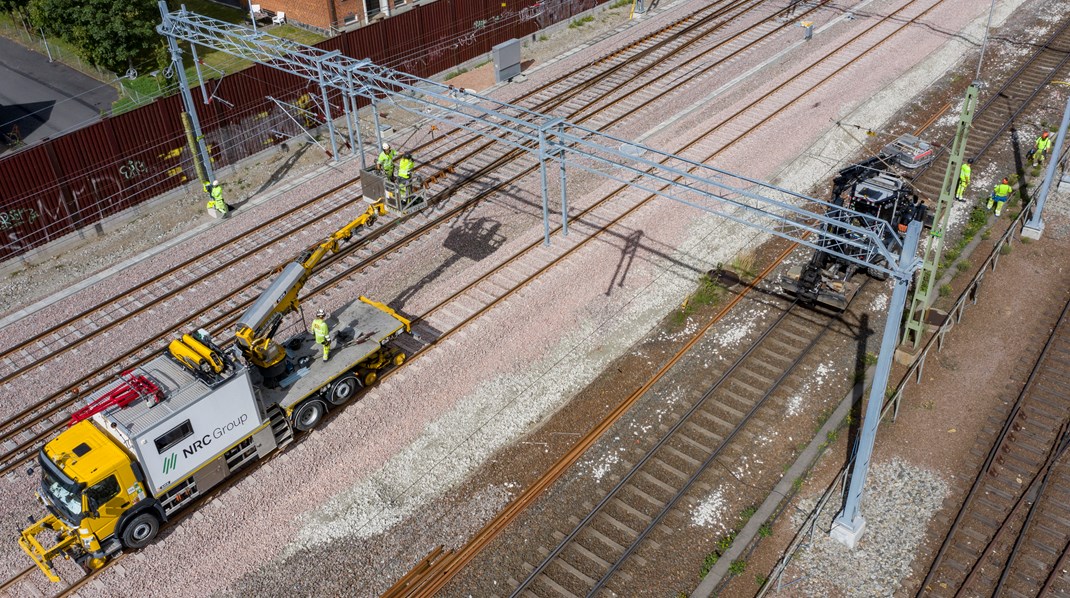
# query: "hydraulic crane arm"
{"points": [[256, 328]]}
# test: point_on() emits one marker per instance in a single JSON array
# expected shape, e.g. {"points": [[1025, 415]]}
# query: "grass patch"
{"points": [[760, 579], [1005, 250], [737, 567], [870, 359], [826, 413], [978, 219], [963, 266], [708, 563], [723, 544], [214, 64], [136, 92], [580, 22], [797, 483], [744, 264], [832, 435], [456, 73], [765, 531], [217, 11], [952, 254], [620, 3], [707, 293], [747, 513], [945, 290], [296, 34], [726, 542]]}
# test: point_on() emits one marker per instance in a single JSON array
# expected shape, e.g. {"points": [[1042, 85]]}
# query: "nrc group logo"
{"points": [[170, 462]]}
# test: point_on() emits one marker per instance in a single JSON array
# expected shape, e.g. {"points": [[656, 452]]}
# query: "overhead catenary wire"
{"points": [[984, 41], [82, 215]]}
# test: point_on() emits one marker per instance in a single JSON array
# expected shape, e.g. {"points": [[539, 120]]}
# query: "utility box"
{"points": [[506, 60]]}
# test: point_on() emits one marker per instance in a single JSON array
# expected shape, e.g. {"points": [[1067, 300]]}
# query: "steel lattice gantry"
{"points": [[777, 211], [872, 243]]}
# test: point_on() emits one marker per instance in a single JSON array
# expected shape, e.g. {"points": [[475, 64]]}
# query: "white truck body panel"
{"points": [[191, 426]]}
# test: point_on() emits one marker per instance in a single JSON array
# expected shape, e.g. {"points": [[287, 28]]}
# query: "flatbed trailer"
{"points": [[361, 334]]}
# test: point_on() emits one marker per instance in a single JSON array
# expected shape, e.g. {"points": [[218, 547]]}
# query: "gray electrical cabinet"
{"points": [[506, 60]]}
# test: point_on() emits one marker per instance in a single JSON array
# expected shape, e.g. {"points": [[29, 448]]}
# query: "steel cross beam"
{"points": [[547, 138]]}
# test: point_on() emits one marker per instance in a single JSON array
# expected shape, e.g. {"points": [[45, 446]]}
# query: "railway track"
{"points": [[343, 270], [632, 517], [581, 93], [1010, 535], [1004, 107], [431, 573], [46, 416], [342, 274]]}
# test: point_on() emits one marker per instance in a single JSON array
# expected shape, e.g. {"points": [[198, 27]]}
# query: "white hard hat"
{"points": [[320, 313], [215, 182], [386, 146]]}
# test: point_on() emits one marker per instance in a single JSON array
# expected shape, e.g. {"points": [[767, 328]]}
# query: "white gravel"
{"points": [[372, 472], [900, 501]]}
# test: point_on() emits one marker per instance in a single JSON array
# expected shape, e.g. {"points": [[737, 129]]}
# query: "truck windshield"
{"points": [[64, 494]]}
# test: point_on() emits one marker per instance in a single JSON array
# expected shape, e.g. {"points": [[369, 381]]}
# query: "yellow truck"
{"points": [[164, 433]]}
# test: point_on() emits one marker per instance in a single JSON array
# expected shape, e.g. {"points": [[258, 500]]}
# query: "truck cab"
{"points": [[88, 485]]}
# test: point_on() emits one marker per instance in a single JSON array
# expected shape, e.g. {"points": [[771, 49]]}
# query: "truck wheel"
{"points": [[342, 391], [308, 415], [399, 359], [140, 530]]}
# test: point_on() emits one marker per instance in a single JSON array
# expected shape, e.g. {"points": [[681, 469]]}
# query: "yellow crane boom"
{"points": [[256, 329]]}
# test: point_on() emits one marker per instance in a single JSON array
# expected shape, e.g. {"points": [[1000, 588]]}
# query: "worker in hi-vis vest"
{"points": [[322, 332], [964, 178], [215, 193], [1000, 195]]}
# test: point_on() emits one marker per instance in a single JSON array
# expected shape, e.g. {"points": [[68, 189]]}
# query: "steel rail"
{"points": [[698, 20], [669, 434], [997, 446], [109, 367], [1058, 450]]}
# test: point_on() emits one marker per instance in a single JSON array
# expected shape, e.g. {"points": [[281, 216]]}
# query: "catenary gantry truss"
{"points": [[855, 237], [781, 212]]}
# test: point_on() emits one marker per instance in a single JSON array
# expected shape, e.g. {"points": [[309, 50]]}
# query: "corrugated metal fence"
{"points": [[55, 187]]}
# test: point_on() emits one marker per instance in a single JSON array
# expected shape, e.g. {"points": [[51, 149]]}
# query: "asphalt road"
{"points": [[39, 99]]}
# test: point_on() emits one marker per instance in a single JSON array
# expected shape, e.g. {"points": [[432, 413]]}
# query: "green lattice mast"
{"points": [[934, 245]]}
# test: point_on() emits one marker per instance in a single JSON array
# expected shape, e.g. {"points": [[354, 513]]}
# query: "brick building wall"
{"points": [[330, 16]]}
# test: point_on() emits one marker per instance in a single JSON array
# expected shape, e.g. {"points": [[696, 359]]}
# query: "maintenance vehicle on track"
{"points": [[870, 187], [165, 432]]}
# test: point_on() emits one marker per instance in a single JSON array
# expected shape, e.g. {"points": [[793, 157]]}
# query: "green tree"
{"points": [[12, 6], [111, 34]]}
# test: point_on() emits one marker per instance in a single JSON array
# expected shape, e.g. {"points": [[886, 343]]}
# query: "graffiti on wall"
{"points": [[478, 28], [554, 11]]}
